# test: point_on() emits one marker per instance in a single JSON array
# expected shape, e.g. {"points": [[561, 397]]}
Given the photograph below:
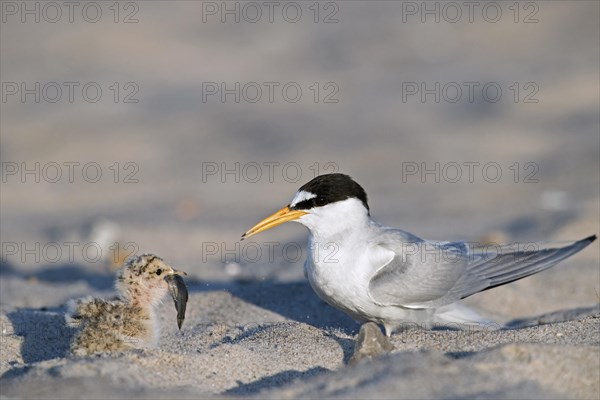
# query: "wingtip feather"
{"points": [[590, 238]]}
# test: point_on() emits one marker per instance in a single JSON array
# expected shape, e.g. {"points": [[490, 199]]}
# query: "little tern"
{"points": [[390, 276], [130, 320]]}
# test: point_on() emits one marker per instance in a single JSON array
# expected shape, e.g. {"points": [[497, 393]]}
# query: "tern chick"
{"points": [[390, 276], [128, 321]]}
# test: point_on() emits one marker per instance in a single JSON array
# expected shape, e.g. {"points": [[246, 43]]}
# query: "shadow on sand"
{"points": [[45, 336], [276, 380], [98, 278]]}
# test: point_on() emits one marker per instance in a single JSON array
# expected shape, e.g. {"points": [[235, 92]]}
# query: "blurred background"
{"points": [[172, 127]]}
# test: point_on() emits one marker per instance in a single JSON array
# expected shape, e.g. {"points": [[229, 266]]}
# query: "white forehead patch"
{"points": [[301, 196]]}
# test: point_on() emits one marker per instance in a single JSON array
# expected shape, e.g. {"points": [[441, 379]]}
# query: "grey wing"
{"points": [[457, 272], [499, 265], [420, 275]]}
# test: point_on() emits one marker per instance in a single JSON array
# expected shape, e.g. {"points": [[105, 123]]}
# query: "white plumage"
{"points": [[390, 276]]}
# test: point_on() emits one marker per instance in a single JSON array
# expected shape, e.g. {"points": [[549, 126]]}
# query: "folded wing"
{"points": [[429, 275]]}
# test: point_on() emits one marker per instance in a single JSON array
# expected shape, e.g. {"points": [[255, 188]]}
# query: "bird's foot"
{"points": [[370, 343]]}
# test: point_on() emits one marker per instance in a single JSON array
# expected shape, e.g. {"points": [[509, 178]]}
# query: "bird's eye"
{"points": [[158, 271], [320, 201]]}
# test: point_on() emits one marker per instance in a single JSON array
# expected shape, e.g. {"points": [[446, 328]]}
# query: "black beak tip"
{"points": [[179, 293]]}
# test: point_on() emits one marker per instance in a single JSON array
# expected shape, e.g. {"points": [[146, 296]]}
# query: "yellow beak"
{"points": [[281, 216]]}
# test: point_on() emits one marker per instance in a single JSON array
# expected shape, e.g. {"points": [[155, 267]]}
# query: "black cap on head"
{"points": [[330, 188]]}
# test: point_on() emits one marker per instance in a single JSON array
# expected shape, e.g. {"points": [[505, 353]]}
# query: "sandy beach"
{"points": [[165, 161]]}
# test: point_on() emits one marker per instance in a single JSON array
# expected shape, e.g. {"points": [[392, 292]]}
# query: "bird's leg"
{"points": [[370, 343]]}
